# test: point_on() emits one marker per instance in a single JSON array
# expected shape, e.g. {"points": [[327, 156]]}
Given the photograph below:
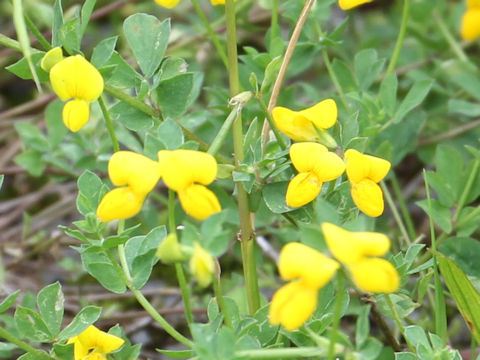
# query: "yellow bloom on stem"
{"points": [[358, 251], [350, 4], [364, 173], [202, 265], [94, 344], [315, 165], [136, 175], [77, 81], [188, 172], [470, 28], [309, 271], [305, 125]]}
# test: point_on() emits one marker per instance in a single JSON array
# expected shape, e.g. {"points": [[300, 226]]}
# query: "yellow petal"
{"points": [[79, 351], [292, 305], [350, 4], [329, 166], [470, 29], [473, 4], [302, 189], [217, 2], [360, 166], [379, 168], [202, 265], [304, 155], [295, 126], [169, 250], [199, 202], [350, 247], [168, 3], [375, 275], [75, 77], [75, 114], [323, 115], [298, 261], [119, 203], [93, 338], [181, 168], [368, 197], [52, 57], [137, 171]]}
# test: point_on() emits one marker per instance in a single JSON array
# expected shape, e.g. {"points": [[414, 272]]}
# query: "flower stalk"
{"points": [[37, 354], [401, 36]]}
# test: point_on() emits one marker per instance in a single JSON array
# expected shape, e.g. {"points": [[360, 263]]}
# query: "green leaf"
{"points": [[463, 107], [123, 75], [174, 95], [468, 81], [56, 130], [170, 134], [50, 305], [103, 51], [215, 237], [415, 96], [417, 336], [402, 303], [274, 197], [439, 213], [57, 23], [367, 67], [148, 38], [70, 35], [86, 317], [90, 188], [29, 356], [176, 354], [131, 117], [463, 292], [362, 328], [464, 252], [271, 72], [32, 136], [344, 76], [21, 69], [101, 268], [388, 93], [31, 161], [31, 325], [9, 301], [85, 14]]}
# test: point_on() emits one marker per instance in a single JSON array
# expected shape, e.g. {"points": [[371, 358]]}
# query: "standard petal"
{"points": [[341, 243], [302, 189], [368, 197], [138, 171], [75, 77], [379, 168], [181, 168], [358, 167], [295, 126], [298, 261], [94, 338], [202, 265], [199, 202], [305, 155], [168, 3], [217, 2], [119, 203], [52, 57], [322, 115], [372, 243], [350, 4], [375, 275], [75, 114], [292, 305], [470, 28], [328, 166]]}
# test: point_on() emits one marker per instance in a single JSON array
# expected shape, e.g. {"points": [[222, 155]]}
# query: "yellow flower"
{"points": [[305, 125], [76, 80], [364, 173], [358, 251], [470, 28], [309, 271], [187, 172], [350, 4], [137, 175], [94, 344], [315, 165], [172, 3], [202, 265]]}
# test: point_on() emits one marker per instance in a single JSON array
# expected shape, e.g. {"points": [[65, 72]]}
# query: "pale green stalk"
{"points": [[337, 314], [452, 42], [10, 43], [217, 287], [130, 100], [283, 353], [398, 321], [37, 354], [223, 132], [466, 189], [440, 314], [33, 28], [395, 213], [403, 206], [246, 226], [401, 36], [108, 122]]}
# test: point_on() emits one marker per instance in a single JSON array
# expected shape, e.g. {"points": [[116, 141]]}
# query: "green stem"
{"points": [[440, 314], [400, 38], [396, 215], [274, 23], [211, 32], [182, 282], [217, 287], [398, 321], [223, 132], [37, 354], [246, 226], [284, 353], [10, 43], [132, 101], [457, 50], [334, 78], [108, 122], [268, 114], [336, 315], [466, 189], [33, 28], [403, 206]]}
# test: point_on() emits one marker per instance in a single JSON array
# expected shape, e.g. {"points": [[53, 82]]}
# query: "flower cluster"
{"points": [[94, 344], [350, 4], [470, 29], [172, 3], [135, 175], [309, 270], [76, 81]]}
